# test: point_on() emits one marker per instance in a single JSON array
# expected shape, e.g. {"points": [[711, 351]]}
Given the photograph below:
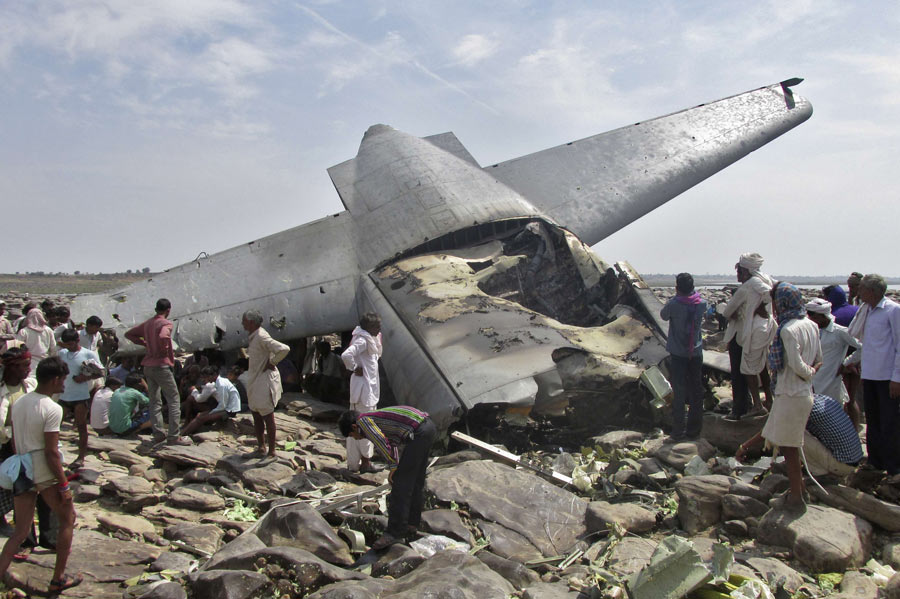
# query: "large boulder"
{"points": [[517, 574], [299, 525], [822, 538], [741, 507], [447, 523], [630, 555], [700, 500], [468, 576], [550, 518], [206, 537]]}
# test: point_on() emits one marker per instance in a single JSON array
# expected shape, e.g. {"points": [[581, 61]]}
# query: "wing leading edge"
{"points": [[597, 185]]}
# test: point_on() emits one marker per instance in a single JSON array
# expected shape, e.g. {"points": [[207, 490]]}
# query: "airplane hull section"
{"points": [[302, 280], [596, 186]]}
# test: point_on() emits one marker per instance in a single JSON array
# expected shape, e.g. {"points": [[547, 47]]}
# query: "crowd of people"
{"points": [[814, 361], [53, 368]]}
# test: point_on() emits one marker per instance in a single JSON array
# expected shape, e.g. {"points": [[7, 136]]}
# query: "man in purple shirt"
{"points": [[880, 372], [389, 429], [156, 335]]}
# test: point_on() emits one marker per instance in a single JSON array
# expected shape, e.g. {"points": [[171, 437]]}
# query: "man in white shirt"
{"points": [[264, 381], [740, 309], [84, 366], [89, 336], [835, 342], [35, 420], [221, 393], [100, 405], [879, 321], [361, 358]]}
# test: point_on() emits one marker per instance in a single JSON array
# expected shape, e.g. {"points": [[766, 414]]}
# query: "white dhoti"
{"points": [[357, 449], [756, 349], [786, 423], [820, 461]]}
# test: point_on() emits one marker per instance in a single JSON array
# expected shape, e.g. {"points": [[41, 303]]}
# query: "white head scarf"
{"points": [[819, 306], [751, 261]]}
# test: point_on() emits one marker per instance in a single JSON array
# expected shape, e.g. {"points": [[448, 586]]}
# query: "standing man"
{"points": [[795, 356], [389, 429], [361, 358], [685, 315], [264, 382], [739, 311], [853, 282], [7, 331], [79, 383], [35, 421], [156, 335], [835, 342], [879, 322]]}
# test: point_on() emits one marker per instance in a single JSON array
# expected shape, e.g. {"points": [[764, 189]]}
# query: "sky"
{"points": [[138, 134]]}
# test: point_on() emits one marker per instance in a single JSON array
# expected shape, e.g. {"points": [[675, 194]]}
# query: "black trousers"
{"points": [[882, 420], [407, 492], [687, 388], [740, 393]]}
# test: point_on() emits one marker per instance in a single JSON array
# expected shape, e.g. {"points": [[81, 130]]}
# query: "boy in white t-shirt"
{"points": [[35, 421], [100, 406]]}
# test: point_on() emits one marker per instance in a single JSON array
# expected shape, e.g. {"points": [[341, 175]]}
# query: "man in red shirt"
{"points": [[156, 335]]}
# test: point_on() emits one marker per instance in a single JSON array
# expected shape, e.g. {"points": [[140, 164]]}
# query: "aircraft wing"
{"points": [[303, 280], [597, 185]]}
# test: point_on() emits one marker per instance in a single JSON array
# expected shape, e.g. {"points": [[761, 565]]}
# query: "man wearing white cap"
{"points": [[835, 342], [740, 310]]}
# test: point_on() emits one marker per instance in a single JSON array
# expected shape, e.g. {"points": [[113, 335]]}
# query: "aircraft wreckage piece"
{"points": [[406, 198]]}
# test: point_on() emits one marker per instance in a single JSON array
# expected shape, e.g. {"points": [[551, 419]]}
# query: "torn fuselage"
{"points": [[525, 316]]}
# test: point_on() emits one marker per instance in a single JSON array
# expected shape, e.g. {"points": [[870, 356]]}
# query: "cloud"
{"points": [[474, 48]]}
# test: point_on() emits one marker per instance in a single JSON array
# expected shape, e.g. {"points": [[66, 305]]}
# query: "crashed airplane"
{"points": [[484, 277]]}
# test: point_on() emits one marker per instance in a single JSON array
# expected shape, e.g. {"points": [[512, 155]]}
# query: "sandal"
{"points": [[66, 582], [77, 464]]}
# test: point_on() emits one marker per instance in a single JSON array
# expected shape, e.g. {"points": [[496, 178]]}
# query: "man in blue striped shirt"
{"points": [[389, 429]]}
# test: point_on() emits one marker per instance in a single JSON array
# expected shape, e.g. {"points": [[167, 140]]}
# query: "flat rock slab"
{"points": [[128, 458], [629, 516], [267, 478], [129, 486], [201, 498], [468, 576], [204, 455], [105, 562], [508, 543], [630, 555], [550, 518], [884, 514], [822, 538], [131, 525], [309, 407], [111, 444], [206, 537]]}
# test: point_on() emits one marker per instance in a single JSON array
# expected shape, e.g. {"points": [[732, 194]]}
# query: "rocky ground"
{"points": [[644, 518], [208, 521]]}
